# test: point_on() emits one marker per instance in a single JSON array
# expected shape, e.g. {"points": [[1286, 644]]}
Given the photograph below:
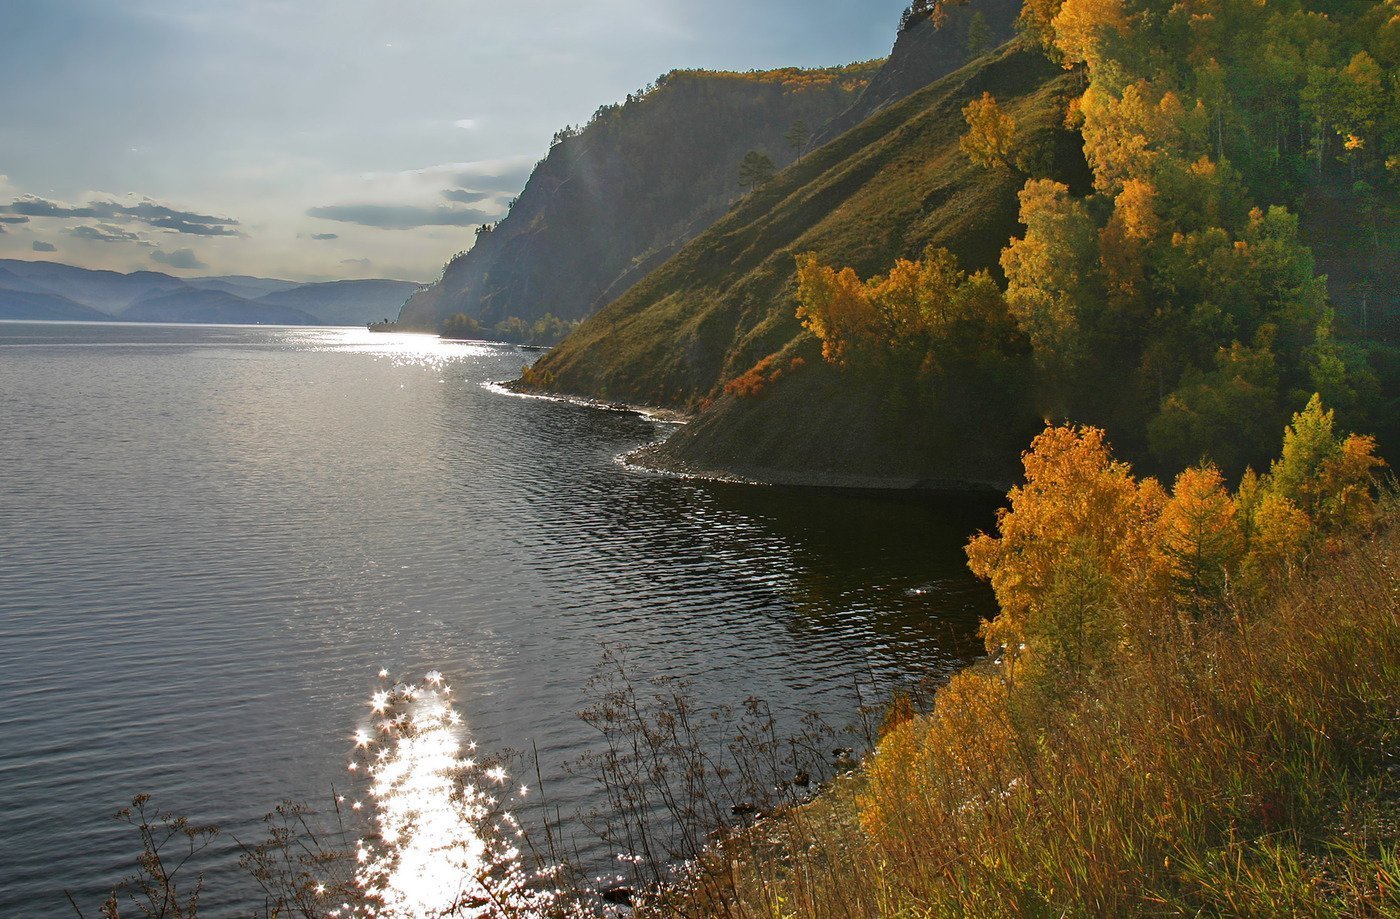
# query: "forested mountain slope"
{"points": [[616, 199], [1099, 223], [887, 189]]}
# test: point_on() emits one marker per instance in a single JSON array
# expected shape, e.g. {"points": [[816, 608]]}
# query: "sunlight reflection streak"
{"points": [[441, 846]]}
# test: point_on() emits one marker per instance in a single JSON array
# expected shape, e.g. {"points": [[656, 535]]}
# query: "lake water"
{"points": [[211, 538]]}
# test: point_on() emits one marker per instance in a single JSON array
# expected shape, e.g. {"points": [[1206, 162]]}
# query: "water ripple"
{"points": [[211, 538]]}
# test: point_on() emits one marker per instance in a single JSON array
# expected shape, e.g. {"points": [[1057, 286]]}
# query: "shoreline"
{"points": [[648, 457], [649, 412]]}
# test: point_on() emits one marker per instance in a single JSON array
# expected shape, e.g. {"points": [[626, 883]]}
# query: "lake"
{"points": [[212, 538]]}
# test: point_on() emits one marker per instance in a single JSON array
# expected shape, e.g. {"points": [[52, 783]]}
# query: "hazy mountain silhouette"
{"points": [[50, 290]]}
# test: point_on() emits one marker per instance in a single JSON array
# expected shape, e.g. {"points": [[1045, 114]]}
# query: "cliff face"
{"points": [[619, 197], [924, 52]]}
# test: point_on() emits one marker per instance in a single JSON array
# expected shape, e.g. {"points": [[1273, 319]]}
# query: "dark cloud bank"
{"points": [[148, 212]]}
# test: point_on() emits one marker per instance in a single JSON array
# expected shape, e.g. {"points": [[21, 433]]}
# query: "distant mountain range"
{"points": [[49, 290]]}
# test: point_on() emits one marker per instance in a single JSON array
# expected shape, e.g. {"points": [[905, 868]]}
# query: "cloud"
{"points": [[465, 195], [401, 216], [357, 262], [325, 236], [443, 195], [11, 218], [180, 258], [41, 246], [106, 233], [143, 210], [466, 124], [507, 175]]}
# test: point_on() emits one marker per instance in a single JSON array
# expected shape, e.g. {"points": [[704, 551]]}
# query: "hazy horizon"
{"points": [[319, 140]]}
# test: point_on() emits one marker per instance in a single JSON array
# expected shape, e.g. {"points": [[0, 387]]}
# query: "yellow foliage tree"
{"points": [[1082, 26], [1326, 476], [1201, 542], [834, 306], [1127, 134], [1037, 18], [1279, 536], [895, 299], [1048, 271], [934, 765], [1079, 532], [991, 133], [927, 309], [1124, 239]]}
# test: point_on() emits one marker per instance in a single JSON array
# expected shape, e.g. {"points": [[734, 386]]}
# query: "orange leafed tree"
{"points": [[1088, 559], [1201, 542], [1080, 527], [991, 133], [835, 306]]}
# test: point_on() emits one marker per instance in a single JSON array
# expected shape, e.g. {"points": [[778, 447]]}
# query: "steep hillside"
{"points": [[614, 202], [893, 185], [1168, 295], [623, 193]]}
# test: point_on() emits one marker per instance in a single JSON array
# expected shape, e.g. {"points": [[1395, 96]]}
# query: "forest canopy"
{"points": [[1175, 304]]}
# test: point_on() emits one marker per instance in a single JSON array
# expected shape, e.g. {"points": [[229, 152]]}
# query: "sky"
{"points": [[322, 139]]}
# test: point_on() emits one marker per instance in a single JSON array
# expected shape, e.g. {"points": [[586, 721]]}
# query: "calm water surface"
{"points": [[211, 538]]}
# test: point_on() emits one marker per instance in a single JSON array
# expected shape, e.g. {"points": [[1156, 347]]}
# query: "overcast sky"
{"points": [[313, 139]]}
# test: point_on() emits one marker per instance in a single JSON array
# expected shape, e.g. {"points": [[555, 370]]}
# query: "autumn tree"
{"points": [[1076, 534], [1037, 18], [1326, 475], [1125, 243], [991, 133], [926, 313], [1049, 274], [1201, 541], [834, 306], [1087, 557], [1082, 28]]}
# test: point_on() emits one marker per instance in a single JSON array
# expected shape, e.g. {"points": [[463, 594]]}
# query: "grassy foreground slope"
{"points": [[888, 188], [1191, 708], [1254, 776]]}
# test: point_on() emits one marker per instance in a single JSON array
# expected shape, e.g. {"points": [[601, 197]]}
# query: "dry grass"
{"points": [[1244, 767]]}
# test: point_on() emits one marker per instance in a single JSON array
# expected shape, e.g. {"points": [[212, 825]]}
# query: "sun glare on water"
{"points": [[442, 842], [403, 348]]}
